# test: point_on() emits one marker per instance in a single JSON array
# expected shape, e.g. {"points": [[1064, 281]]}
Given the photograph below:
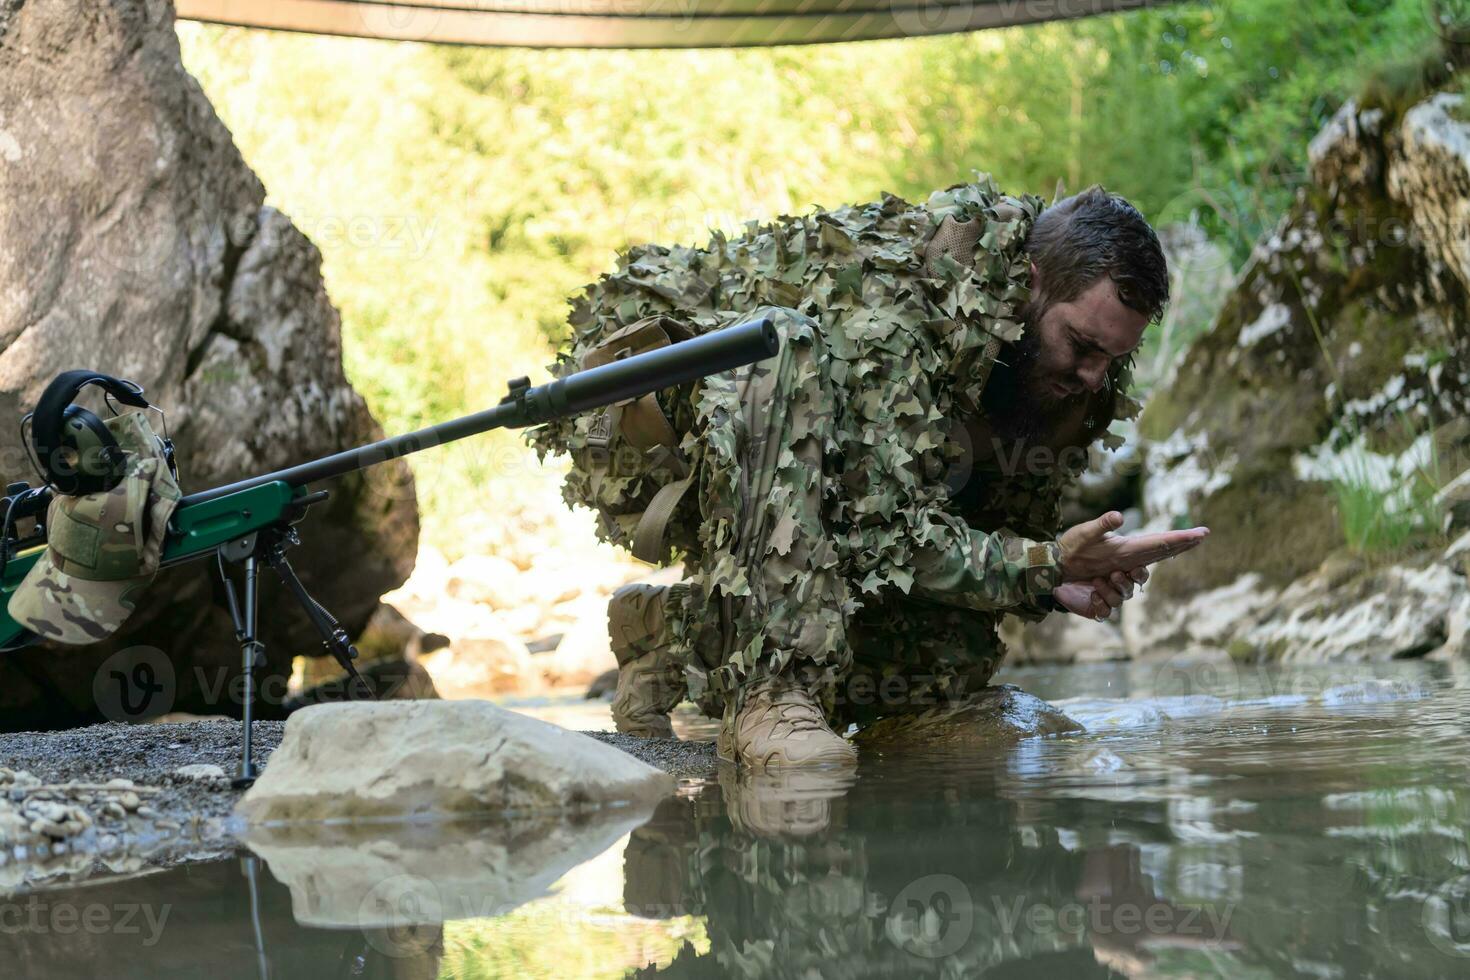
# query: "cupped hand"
{"points": [[1092, 551], [1097, 598]]}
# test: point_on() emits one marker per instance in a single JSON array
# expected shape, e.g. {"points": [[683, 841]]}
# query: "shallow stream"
{"points": [[1214, 821]]}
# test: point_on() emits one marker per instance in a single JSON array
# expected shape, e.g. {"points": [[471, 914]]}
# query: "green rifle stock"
{"points": [[211, 519]]}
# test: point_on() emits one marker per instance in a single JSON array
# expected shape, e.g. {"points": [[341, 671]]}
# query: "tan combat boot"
{"points": [[650, 682], [781, 725]]}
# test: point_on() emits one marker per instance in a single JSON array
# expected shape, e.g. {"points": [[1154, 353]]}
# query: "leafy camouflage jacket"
{"points": [[911, 337]]}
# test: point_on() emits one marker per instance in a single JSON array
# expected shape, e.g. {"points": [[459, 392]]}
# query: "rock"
{"points": [[150, 255], [487, 579], [584, 652], [1453, 500], [48, 811], [1156, 624], [200, 771], [406, 758], [1349, 322], [997, 716], [604, 687], [1432, 170], [388, 680], [1349, 149], [1386, 614], [486, 660], [389, 635]]}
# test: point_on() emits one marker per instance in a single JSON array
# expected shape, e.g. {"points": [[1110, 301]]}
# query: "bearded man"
{"points": [[856, 514]]}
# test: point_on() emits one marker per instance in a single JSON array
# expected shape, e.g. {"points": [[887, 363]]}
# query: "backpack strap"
{"points": [[648, 538]]}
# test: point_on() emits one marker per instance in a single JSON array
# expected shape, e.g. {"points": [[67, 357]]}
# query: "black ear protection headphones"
{"points": [[75, 451]]}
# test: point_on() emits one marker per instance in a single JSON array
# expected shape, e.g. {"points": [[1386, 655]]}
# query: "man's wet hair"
{"points": [[1093, 234]]}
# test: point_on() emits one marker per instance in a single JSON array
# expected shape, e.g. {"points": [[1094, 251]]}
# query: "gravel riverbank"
{"points": [[118, 798]]}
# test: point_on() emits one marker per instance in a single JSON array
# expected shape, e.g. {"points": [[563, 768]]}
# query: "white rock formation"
{"points": [[405, 759]]}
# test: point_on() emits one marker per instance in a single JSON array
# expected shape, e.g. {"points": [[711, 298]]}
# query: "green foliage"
{"points": [[1387, 516], [1202, 108]]}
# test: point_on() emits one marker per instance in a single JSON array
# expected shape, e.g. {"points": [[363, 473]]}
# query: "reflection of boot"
{"points": [[656, 863], [650, 681], [779, 725], [783, 802]]}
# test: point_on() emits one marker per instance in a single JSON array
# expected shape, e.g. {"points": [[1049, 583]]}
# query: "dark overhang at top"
{"points": [[642, 23]]}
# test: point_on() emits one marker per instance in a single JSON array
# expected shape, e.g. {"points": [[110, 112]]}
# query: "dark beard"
{"points": [[1020, 408]]}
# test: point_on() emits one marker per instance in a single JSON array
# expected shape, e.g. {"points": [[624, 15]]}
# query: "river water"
{"points": [[1214, 821]]}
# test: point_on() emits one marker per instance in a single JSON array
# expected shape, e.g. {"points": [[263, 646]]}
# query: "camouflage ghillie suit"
{"points": [[821, 534]]}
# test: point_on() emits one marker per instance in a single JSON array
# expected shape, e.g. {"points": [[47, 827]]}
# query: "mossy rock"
{"points": [[1265, 521], [997, 716]]}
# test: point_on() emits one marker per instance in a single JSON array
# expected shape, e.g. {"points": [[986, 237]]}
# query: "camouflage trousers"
{"points": [[769, 593]]}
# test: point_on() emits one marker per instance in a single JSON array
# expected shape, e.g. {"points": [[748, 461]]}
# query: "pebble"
{"points": [[200, 770], [55, 812], [49, 828]]}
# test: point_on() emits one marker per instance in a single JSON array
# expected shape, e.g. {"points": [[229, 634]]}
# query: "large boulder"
{"points": [[134, 240], [1312, 424], [400, 759]]}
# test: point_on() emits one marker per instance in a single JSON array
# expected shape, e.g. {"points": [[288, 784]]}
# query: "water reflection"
{"points": [[1317, 827], [1321, 833], [801, 879]]}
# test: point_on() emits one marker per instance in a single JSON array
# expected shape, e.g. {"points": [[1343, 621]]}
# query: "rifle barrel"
{"points": [[630, 377]]}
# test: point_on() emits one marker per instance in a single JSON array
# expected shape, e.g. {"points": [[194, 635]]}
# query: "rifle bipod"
{"points": [[269, 545]]}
